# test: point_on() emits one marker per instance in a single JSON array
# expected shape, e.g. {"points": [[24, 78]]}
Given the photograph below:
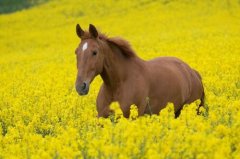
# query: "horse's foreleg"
{"points": [[104, 99], [126, 100], [143, 105], [126, 108]]}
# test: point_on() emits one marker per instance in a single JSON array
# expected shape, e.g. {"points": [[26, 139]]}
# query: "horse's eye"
{"points": [[94, 53]]}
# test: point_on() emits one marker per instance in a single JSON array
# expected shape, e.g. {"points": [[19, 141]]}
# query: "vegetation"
{"points": [[41, 115]]}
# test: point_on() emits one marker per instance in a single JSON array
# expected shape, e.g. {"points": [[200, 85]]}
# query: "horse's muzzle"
{"points": [[83, 88]]}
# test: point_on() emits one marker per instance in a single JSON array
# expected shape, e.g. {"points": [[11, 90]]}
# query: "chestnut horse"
{"points": [[128, 79]]}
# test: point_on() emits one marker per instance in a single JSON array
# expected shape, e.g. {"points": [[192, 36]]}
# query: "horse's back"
{"points": [[172, 80]]}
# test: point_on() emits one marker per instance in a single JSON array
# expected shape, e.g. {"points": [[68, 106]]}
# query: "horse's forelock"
{"points": [[86, 35]]}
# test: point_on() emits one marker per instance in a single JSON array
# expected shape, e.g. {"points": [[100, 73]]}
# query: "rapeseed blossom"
{"points": [[41, 115]]}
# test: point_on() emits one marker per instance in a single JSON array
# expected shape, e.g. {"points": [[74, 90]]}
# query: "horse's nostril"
{"points": [[84, 85], [82, 88]]}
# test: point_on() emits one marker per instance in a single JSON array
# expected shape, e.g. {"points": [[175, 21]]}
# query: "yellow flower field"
{"points": [[41, 115]]}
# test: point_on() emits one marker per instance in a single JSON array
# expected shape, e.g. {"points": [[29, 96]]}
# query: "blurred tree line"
{"points": [[9, 6]]}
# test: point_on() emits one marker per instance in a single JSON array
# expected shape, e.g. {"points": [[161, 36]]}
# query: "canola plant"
{"points": [[41, 115]]}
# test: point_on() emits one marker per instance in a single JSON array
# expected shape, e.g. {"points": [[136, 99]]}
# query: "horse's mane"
{"points": [[123, 45], [119, 42]]}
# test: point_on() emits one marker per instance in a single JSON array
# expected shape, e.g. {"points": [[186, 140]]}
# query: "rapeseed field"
{"points": [[42, 116]]}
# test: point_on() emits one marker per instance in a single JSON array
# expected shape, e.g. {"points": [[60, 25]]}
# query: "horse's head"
{"points": [[89, 58]]}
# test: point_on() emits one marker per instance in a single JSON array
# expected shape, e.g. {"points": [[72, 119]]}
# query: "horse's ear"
{"points": [[93, 31], [79, 31]]}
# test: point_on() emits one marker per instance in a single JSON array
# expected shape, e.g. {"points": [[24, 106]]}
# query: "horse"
{"points": [[128, 79]]}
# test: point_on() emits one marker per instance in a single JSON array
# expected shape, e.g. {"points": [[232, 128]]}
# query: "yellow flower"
{"points": [[133, 112], [42, 116]]}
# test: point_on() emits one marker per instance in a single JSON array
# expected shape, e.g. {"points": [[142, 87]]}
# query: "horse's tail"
{"points": [[203, 93], [202, 99], [202, 104]]}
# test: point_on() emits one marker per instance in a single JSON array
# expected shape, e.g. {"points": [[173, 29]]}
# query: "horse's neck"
{"points": [[115, 69]]}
